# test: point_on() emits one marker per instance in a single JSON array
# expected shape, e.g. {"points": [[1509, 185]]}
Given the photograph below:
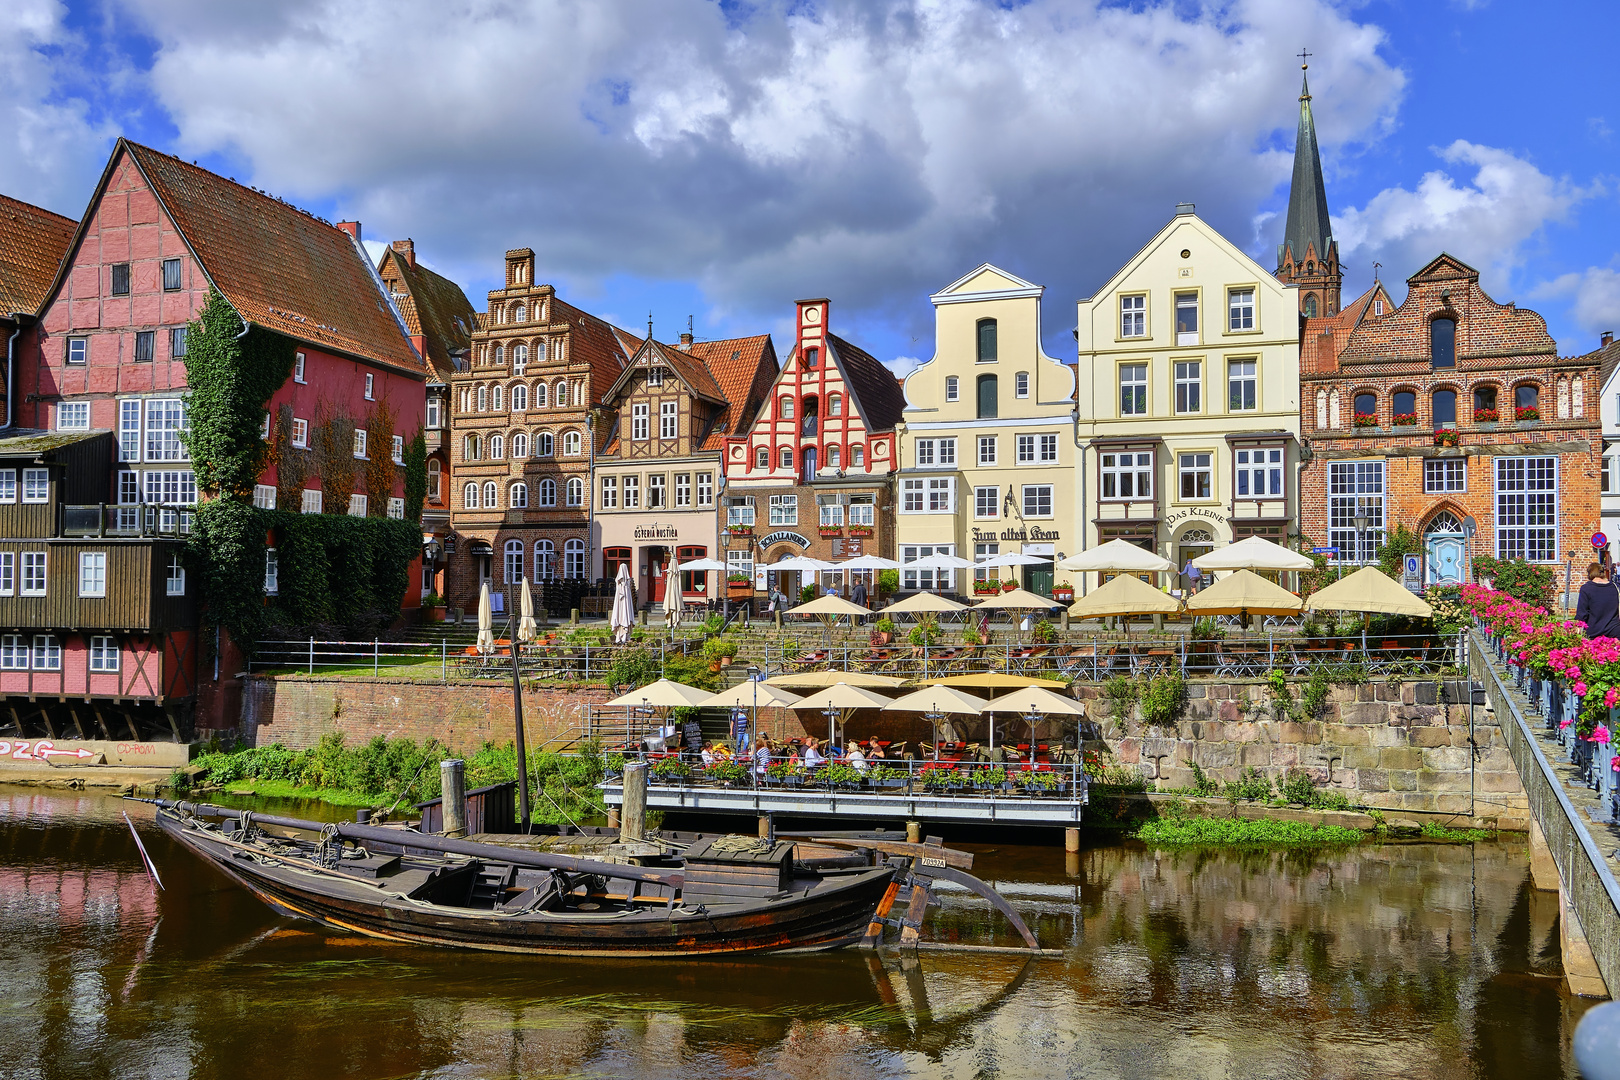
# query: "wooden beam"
{"points": [[78, 725], [173, 725], [16, 718], [134, 732], [45, 715]]}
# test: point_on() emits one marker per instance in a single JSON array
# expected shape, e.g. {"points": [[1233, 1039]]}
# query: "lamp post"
{"points": [[1361, 521], [1569, 575]]}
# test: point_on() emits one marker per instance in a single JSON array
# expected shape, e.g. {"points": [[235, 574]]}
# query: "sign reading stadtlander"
{"points": [[1033, 534], [656, 532]]}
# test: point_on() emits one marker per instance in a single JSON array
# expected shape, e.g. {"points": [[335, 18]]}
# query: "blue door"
{"points": [[1446, 552]]}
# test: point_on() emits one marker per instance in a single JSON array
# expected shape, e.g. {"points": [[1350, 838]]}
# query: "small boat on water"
{"points": [[721, 895]]}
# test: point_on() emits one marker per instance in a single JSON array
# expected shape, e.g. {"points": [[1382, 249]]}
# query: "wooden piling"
{"points": [[1071, 839], [633, 813], [913, 832], [453, 782]]}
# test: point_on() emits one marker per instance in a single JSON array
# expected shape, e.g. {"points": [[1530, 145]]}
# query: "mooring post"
{"points": [[453, 785], [1071, 839], [633, 812], [765, 826], [913, 832]]}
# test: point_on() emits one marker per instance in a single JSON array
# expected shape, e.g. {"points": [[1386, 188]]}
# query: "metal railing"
{"points": [[446, 660], [144, 519]]}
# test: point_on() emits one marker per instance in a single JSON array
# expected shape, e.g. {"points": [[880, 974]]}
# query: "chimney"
{"points": [[407, 248], [1185, 208], [352, 228], [686, 342], [1608, 339]]}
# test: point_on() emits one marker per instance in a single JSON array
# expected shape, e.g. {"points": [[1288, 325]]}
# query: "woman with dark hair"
{"points": [[1599, 604]]}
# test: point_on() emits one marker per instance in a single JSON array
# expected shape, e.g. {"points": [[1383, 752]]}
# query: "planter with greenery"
{"points": [[1527, 414], [1445, 437], [807, 594], [1485, 416], [986, 588], [883, 776], [1008, 585], [1040, 782], [1043, 632], [671, 770], [729, 773], [784, 773], [841, 776], [883, 631], [888, 582], [1365, 420], [433, 607], [1063, 593], [1404, 419]]}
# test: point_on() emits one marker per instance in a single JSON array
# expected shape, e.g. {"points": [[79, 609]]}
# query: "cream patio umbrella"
{"points": [[815, 680], [1121, 597], [995, 680], [923, 603], [935, 703], [828, 609], [663, 694], [527, 631], [1017, 600], [837, 702], [1253, 553], [1245, 593], [1369, 590], [750, 695], [1117, 555], [1035, 702], [623, 615], [702, 566], [486, 622]]}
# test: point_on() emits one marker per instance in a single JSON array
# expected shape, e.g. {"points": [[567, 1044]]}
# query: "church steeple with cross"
{"points": [[1308, 255]]}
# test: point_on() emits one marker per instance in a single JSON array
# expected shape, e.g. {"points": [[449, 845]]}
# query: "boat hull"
{"points": [[819, 913]]}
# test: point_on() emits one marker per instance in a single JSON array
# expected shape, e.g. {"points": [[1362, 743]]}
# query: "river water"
{"points": [[1385, 961]]}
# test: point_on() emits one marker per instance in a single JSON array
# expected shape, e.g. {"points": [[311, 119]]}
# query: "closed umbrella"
{"points": [[1245, 592], [527, 631], [672, 597], [486, 622], [623, 615], [1253, 553]]}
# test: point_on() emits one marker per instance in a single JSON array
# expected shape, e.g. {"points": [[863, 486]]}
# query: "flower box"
{"points": [[739, 530], [1008, 586], [829, 534], [1445, 437], [860, 530], [986, 588], [1527, 414], [1365, 420], [1485, 416], [1405, 419], [436, 614], [1064, 593]]}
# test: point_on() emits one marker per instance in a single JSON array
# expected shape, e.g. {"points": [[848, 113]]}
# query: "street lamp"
{"points": [[1361, 521]]}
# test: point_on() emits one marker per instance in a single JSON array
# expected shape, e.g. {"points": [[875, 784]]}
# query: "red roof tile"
{"points": [[745, 369], [32, 243], [279, 267], [433, 306], [602, 345]]}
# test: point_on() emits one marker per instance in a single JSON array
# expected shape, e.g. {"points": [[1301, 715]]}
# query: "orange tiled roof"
{"points": [[745, 368], [434, 307], [1323, 338], [32, 243], [281, 268]]}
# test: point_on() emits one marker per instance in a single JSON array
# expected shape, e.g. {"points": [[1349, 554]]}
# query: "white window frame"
{"points": [[1021, 384], [129, 429], [668, 419], [35, 573], [1136, 388], [47, 653], [573, 558], [396, 508], [8, 573], [1032, 498], [1189, 387], [657, 492], [740, 510], [311, 501], [1242, 386], [264, 496], [610, 492], [73, 416], [862, 511], [512, 562], [987, 450], [683, 490], [272, 572], [1527, 508], [705, 489], [1240, 309], [987, 503], [784, 510], [164, 420], [640, 422], [953, 386], [517, 497], [175, 584], [1199, 465], [434, 413], [632, 492], [300, 432], [371, 386], [36, 486], [936, 453], [941, 495], [1353, 484], [398, 454], [358, 505], [911, 496], [8, 485], [1121, 469], [1133, 316], [575, 492], [93, 574], [298, 368], [13, 652], [1259, 473], [360, 438], [105, 655], [926, 580], [1437, 482]]}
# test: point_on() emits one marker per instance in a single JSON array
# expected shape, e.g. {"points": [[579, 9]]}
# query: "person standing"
{"points": [[1194, 576], [1599, 604]]}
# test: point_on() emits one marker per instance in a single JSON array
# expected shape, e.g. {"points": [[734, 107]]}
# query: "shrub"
{"points": [[634, 667], [888, 582], [1043, 632], [923, 635], [807, 594], [884, 625], [1525, 581], [716, 648], [1203, 783], [671, 768], [1250, 786], [1315, 698], [970, 636], [1165, 697], [1122, 692], [1297, 787]]}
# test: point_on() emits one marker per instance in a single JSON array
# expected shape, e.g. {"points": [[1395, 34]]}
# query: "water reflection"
{"points": [[1400, 960]]}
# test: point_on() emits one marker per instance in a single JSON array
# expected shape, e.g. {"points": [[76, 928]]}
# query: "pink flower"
{"points": [[1611, 698], [1601, 735], [1565, 723], [1580, 689]]}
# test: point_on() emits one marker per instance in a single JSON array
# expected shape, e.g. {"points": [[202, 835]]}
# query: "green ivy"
{"points": [[229, 379], [415, 476]]}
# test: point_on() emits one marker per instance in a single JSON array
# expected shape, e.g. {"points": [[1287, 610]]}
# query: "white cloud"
{"points": [[52, 149], [866, 151], [1594, 295], [1489, 221]]}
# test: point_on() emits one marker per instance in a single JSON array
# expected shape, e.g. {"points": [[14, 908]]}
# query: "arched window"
{"points": [[809, 463], [762, 457], [469, 497], [1443, 343], [520, 357], [520, 398], [519, 314], [785, 458], [1526, 402], [542, 444], [520, 445], [857, 456], [548, 492], [1577, 398], [545, 560], [514, 562], [1485, 405], [986, 340], [1321, 409], [835, 405], [1561, 397], [812, 358], [1333, 409], [1310, 306], [496, 394], [500, 354], [435, 475], [1366, 410], [517, 496], [576, 491], [483, 399], [540, 350], [539, 395], [951, 385], [785, 412], [491, 499], [469, 449], [466, 400], [987, 397], [1444, 404], [497, 448], [1444, 522], [574, 559], [571, 444], [561, 396], [1404, 403], [834, 457]]}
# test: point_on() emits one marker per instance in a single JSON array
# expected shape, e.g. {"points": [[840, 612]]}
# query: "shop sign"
{"points": [[656, 532], [1032, 534], [1195, 512], [785, 536]]}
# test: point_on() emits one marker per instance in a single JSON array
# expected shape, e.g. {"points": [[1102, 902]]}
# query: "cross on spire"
{"points": [[1305, 59]]}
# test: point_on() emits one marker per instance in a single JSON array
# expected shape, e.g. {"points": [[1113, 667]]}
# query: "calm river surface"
{"points": [[1393, 960]]}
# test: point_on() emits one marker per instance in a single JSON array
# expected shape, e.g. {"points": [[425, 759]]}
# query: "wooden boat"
{"points": [[721, 896]]}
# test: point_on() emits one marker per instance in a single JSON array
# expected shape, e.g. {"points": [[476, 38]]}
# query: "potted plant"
{"points": [[784, 773], [944, 778], [718, 651], [433, 607], [1039, 782], [1445, 437], [842, 776], [883, 776], [1527, 414], [1043, 632], [888, 582], [922, 635], [990, 779], [828, 532], [1063, 593], [728, 773], [1008, 584], [739, 530], [860, 530], [883, 631], [986, 588], [1486, 416], [971, 638], [1366, 420], [739, 586], [672, 770]]}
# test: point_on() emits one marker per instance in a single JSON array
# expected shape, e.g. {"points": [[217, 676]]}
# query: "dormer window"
{"points": [[655, 377]]}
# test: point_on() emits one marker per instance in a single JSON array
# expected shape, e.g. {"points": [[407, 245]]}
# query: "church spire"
{"points": [[1308, 255]]}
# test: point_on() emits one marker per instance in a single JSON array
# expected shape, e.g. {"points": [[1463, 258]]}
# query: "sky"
{"points": [[719, 159]]}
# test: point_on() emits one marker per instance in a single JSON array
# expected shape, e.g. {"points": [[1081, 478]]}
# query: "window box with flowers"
{"points": [[1008, 585], [1445, 437], [1404, 419], [739, 530], [1527, 414], [829, 531], [1366, 420], [986, 588], [860, 530], [1485, 416], [1064, 593]]}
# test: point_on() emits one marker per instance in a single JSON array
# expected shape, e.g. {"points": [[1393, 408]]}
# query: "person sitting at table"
{"points": [[873, 750], [813, 757], [707, 754], [855, 758], [762, 755]]}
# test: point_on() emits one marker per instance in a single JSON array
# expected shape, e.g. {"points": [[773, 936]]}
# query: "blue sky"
{"points": [[689, 158]]}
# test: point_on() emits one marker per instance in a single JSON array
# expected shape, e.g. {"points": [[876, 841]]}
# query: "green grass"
{"points": [[1431, 831], [282, 789], [1175, 830]]}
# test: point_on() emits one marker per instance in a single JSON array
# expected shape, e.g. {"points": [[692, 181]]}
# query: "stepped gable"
{"points": [[32, 243], [877, 392], [434, 307], [1322, 339], [280, 267], [1489, 334]]}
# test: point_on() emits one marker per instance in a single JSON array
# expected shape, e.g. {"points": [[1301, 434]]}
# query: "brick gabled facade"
{"points": [[1448, 408]]}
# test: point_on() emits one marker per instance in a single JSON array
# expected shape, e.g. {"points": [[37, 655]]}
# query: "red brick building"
{"points": [[1448, 409]]}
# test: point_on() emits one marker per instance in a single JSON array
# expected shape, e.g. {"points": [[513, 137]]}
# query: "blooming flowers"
{"points": [[1547, 646]]}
